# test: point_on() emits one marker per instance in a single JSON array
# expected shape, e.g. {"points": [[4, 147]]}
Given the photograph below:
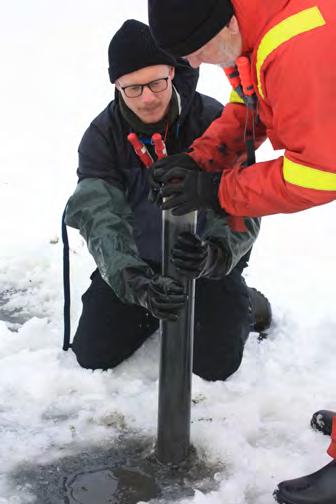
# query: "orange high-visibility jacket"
{"points": [[292, 49]]}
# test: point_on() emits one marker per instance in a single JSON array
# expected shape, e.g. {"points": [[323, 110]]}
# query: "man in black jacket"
{"points": [[110, 207]]}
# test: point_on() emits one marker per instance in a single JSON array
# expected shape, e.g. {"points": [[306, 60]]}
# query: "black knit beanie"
{"points": [[133, 47], [181, 27]]}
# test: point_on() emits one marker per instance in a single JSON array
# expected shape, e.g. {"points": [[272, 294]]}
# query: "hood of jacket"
{"points": [[253, 16]]}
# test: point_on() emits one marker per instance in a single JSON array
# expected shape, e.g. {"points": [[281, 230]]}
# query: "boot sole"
{"points": [[280, 499]]}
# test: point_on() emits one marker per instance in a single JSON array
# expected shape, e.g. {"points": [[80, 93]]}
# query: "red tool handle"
{"points": [[159, 146], [140, 150], [244, 69]]}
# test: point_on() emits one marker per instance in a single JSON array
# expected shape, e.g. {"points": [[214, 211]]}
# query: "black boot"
{"points": [[317, 488], [261, 311], [322, 421]]}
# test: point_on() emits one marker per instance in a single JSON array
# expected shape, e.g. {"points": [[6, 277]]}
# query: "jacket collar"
{"points": [[185, 82], [253, 17]]}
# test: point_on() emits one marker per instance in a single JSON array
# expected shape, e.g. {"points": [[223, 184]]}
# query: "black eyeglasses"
{"points": [[156, 86]]}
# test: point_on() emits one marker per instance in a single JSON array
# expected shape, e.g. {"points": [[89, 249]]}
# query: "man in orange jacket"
{"points": [[290, 44], [288, 97]]}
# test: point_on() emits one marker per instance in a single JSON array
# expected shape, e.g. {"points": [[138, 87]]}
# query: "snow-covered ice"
{"points": [[54, 81]]}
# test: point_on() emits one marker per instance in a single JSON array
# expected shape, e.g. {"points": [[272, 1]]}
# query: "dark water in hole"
{"points": [[126, 473], [115, 486]]}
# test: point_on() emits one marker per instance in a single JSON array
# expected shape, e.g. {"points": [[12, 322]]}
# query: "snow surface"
{"points": [[53, 82]]}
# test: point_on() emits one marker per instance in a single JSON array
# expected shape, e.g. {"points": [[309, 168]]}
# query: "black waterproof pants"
{"points": [[109, 331]]}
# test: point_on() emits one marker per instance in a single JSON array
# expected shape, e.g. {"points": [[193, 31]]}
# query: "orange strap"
{"points": [[233, 75], [236, 224], [244, 69]]}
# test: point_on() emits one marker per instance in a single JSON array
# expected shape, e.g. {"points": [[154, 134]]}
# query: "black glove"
{"points": [[194, 258], [162, 296], [162, 166], [186, 187], [165, 164], [154, 195]]}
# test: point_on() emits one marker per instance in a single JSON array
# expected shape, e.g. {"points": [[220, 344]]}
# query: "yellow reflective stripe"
{"points": [[235, 98], [304, 21], [310, 178]]}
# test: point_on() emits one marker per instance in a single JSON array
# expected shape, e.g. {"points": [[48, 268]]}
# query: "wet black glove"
{"points": [[185, 185], [162, 296], [154, 195], [183, 160], [194, 258], [162, 166]]}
